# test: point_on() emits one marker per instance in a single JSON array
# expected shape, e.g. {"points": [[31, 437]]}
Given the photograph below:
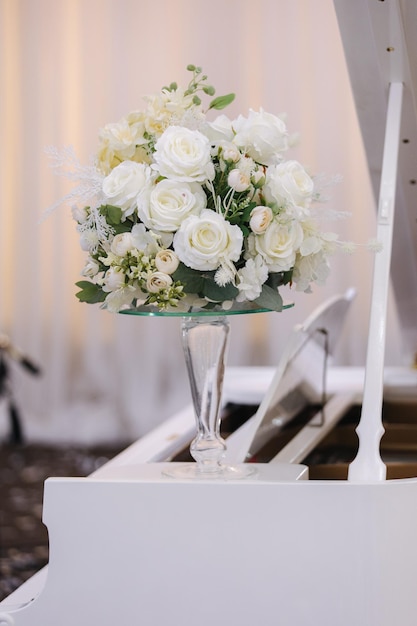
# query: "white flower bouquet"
{"points": [[179, 213]]}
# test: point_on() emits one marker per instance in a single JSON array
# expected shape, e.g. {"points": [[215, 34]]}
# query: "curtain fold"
{"points": [[69, 67]]}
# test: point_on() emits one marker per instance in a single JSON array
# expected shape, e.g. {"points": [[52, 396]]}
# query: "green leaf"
{"points": [[90, 292], [217, 293], [222, 101], [203, 284], [191, 67], [269, 299], [192, 280], [123, 227], [248, 210], [113, 214], [196, 100], [287, 277], [209, 90], [276, 279]]}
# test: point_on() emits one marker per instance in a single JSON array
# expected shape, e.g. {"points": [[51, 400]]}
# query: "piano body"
{"points": [[305, 541]]}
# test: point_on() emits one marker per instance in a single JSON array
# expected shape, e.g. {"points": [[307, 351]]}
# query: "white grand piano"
{"points": [[326, 531]]}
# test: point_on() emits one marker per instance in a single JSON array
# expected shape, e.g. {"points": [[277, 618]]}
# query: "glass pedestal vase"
{"points": [[205, 336], [205, 341]]}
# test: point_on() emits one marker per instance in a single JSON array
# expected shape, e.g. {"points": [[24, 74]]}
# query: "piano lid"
{"points": [[380, 43]]}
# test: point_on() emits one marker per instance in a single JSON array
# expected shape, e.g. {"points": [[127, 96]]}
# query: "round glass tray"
{"points": [[214, 312]]}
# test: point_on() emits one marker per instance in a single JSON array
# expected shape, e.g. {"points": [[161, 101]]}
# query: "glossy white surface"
{"points": [[162, 552]]}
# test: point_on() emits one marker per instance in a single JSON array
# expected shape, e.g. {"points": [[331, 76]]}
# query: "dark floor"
{"points": [[23, 470]]}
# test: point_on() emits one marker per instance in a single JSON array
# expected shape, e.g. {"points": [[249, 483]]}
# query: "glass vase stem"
{"points": [[205, 342]]}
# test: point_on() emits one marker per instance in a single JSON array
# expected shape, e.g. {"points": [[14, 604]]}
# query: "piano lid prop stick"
{"points": [[368, 465]]}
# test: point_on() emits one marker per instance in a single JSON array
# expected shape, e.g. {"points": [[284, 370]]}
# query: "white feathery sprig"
{"points": [[323, 181], [348, 247], [374, 245], [328, 214], [65, 163], [97, 222]]}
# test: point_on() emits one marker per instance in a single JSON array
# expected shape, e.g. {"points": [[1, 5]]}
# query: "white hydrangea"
{"points": [[311, 269], [251, 278]]}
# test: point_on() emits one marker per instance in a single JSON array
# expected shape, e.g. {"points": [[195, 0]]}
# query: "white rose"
{"points": [[122, 243], [91, 268], [251, 278], [184, 155], [278, 245], [229, 152], [169, 203], [260, 219], [289, 183], [113, 279], [122, 186], [258, 178], [157, 281], [262, 135], [221, 129], [238, 180], [203, 242], [166, 261]]}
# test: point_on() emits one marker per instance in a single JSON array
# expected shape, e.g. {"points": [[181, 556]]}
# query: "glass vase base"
{"points": [[223, 472]]}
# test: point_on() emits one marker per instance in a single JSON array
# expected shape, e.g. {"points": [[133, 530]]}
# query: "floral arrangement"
{"points": [[181, 213]]}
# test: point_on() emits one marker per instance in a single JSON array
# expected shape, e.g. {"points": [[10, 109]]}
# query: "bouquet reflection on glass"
{"points": [[182, 215]]}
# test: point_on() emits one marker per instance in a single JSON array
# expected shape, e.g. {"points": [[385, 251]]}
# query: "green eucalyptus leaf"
{"points": [[222, 101], [214, 292], [269, 299], [192, 280], [90, 292]]}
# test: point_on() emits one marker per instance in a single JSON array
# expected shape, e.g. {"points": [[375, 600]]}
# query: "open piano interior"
{"points": [[307, 411]]}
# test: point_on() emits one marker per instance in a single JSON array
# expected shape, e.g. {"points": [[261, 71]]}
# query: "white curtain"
{"points": [[67, 67]]}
